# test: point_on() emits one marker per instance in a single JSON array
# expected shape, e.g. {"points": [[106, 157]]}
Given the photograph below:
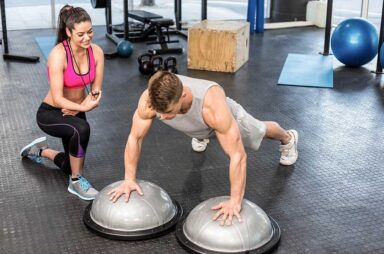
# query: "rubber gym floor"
{"points": [[330, 201]]}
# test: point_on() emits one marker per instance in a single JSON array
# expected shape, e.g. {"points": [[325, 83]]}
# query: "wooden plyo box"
{"points": [[215, 45]]}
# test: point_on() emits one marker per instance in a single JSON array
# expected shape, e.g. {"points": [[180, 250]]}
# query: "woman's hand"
{"points": [[95, 94], [92, 100], [68, 112]]}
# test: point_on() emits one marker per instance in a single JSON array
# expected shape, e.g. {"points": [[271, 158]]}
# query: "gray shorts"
{"points": [[252, 130]]}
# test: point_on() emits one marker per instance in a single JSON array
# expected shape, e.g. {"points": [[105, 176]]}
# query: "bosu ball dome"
{"points": [[257, 233], [142, 217]]}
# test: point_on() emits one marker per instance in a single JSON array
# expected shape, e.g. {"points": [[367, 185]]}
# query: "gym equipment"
{"points": [[200, 234], [153, 214], [288, 10], [255, 15], [170, 64], [4, 41], [307, 70], [99, 3], [124, 48], [154, 27], [162, 32], [379, 66], [382, 54], [46, 44], [145, 65], [178, 15], [355, 42], [156, 64]]}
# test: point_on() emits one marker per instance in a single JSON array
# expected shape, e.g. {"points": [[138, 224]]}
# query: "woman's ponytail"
{"points": [[68, 17]]}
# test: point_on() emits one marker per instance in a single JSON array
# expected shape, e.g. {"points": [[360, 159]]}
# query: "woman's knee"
{"points": [[83, 129]]}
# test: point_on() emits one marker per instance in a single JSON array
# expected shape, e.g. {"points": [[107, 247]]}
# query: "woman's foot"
{"points": [[82, 188], [33, 150]]}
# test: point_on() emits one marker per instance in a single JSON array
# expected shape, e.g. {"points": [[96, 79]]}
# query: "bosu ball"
{"points": [[142, 217], [257, 233]]}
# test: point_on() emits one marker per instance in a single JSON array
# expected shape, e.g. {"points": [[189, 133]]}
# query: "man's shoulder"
{"points": [[214, 94], [143, 109], [214, 101]]}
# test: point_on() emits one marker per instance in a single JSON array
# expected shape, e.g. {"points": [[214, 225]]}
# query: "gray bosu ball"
{"points": [[257, 233], [143, 217]]}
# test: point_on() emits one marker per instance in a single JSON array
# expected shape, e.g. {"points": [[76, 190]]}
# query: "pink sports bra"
{"points": [[72, 79]]}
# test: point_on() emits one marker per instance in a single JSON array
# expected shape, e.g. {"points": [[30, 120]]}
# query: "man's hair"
{"points": [[164, 89]]}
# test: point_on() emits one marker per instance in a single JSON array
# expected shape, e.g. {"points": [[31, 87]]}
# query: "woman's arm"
{"points": [[99, 60]]}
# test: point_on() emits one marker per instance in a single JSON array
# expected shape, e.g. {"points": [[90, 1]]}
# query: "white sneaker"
{"points": [[289, 151], [199, 145]]}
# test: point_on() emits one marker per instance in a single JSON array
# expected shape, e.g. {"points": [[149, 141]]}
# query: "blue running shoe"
{"points": [[82, 188], [32, 150]]}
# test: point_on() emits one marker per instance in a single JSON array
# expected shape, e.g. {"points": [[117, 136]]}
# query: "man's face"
{"points": [[171, 111]]}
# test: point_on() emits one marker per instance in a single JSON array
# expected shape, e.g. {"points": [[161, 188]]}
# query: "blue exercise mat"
{"points": [[307, 70], [46, 44]]}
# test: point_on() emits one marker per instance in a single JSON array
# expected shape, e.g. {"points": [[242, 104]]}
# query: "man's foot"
{"points": [[289, 151], [82, 188], [199, 145], [33, 149]]}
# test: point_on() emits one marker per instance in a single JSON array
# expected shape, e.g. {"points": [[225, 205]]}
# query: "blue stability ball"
{"points": [[124, 48], [355, 42]]}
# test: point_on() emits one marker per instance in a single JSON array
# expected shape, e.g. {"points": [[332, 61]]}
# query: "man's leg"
{"points": [[253, 131], [288, 140]]}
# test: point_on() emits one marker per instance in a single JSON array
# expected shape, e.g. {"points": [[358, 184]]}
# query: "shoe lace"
{"points": [[284, 151], [36, 158], [84, 184]]}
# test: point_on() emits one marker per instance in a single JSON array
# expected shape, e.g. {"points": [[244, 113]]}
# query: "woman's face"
{"points": [[82, 34]]}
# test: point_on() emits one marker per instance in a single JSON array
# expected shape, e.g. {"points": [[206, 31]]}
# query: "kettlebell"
{"points": [[170, 64], [156, 63], [145, 64]]}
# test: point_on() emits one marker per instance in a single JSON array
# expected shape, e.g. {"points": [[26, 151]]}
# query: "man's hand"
{"points": [[226, 210], [125, 188]]}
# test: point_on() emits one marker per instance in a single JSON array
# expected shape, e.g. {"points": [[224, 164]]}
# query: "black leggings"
{"points": [[74, 132]]}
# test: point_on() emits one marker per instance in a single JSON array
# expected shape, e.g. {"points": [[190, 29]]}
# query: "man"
{"points": [[200, 109]]}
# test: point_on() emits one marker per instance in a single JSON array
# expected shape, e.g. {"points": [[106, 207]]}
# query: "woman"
{"points": [[72, 64]]}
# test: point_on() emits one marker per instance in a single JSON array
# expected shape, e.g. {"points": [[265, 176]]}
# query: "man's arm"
{"points": [[218, 116], [141, 123]]}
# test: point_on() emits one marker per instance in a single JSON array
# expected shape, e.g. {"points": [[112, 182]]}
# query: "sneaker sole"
{"points": [[199, 151], [80, 196], [35, 142], [202, 149], [296, 137]]}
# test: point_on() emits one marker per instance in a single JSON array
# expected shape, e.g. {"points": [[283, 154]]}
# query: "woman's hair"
{"points": [[68, 17], [164, 89]]}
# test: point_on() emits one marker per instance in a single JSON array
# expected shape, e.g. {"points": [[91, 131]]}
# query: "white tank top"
{"points": [[192, 122]]}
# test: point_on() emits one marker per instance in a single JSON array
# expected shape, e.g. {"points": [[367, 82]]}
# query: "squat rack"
{"points": [[6, 54]]}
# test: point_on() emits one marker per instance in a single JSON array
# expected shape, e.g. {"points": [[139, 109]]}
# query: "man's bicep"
{"points": [[230, 139], [140, 125]]}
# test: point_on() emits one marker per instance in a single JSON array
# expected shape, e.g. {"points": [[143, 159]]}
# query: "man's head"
{"points": [[165, 90]]}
